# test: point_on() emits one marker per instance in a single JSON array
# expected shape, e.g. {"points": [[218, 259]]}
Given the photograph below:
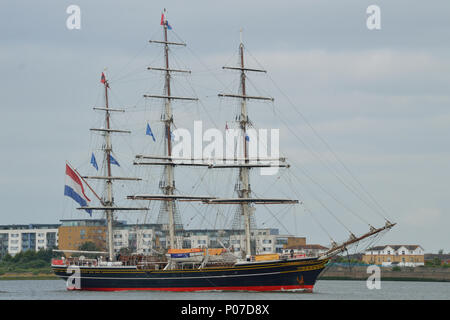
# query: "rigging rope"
{"points": [[327, 146]]}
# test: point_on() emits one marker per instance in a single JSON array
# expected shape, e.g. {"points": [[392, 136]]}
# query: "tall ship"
{"points": [[178, 268]]}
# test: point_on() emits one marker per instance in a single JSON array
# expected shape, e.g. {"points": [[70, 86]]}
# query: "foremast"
{"points": [[107, 201]]}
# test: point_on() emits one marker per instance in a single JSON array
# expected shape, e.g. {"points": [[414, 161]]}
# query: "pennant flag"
{"points": [[74, 189], [94, 162], [113, 161], [168, 25], [149, 132], [247, 138], [103, 79], [162, 19]]}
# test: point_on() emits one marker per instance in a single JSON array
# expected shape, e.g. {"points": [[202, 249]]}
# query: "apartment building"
{"points": [[17, 238], [391, 255], [141, 239], [70, 234], [74, 232]]}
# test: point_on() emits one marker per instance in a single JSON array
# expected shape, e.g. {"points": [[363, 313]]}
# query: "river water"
{"points": [[323, 290]]}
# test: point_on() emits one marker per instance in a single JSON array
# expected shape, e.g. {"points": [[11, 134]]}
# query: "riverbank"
{"points": [[357, 272], [27, 276], [332, 272]]}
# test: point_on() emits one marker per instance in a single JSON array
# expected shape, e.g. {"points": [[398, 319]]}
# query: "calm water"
{"points": [[324, 290]]}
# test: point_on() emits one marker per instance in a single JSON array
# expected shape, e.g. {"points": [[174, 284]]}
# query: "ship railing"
{"points": [[156, 265], [82, 262], [110, 263]]}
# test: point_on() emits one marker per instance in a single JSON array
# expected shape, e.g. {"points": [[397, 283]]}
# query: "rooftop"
{"points": [[28, 226], [308, 247], [395, 247]]}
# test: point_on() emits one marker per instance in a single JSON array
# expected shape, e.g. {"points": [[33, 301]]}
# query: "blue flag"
{"points": [[149, 132], [94, 162], [113, 161]]}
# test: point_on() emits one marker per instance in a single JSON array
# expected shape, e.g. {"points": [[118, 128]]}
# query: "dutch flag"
{"points": [[74, 189]]}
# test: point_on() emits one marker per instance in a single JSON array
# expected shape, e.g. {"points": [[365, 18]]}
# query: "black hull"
{"points": [[281, 275]]}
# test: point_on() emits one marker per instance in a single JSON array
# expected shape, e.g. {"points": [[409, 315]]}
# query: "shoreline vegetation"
{"points": [[35, 265], [27, 265], [342, 271]]}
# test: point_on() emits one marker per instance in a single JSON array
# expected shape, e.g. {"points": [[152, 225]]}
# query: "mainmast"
{"points": [[167, 160], [244, 176], [109, 195], [167, 186]]}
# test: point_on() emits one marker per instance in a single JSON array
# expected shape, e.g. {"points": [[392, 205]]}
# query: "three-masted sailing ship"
{"points": [[206, 270]]}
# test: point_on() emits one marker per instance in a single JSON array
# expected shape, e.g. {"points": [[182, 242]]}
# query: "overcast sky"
{"points": [[379, 98]]}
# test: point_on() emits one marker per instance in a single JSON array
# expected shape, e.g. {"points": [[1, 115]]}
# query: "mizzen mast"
{"points": [[243, 187]]}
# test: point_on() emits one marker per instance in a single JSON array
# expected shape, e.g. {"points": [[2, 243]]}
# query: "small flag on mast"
{"points": [[164, 21], [113, 161], [149, 132], [103, 79], [94, 162]]}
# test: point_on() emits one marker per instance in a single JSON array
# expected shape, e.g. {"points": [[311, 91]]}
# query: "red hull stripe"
{"points": [[251, 288]]}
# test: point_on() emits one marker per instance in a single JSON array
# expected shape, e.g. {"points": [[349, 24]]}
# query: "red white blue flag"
{"points": [[165, 22], [74, 189]]}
